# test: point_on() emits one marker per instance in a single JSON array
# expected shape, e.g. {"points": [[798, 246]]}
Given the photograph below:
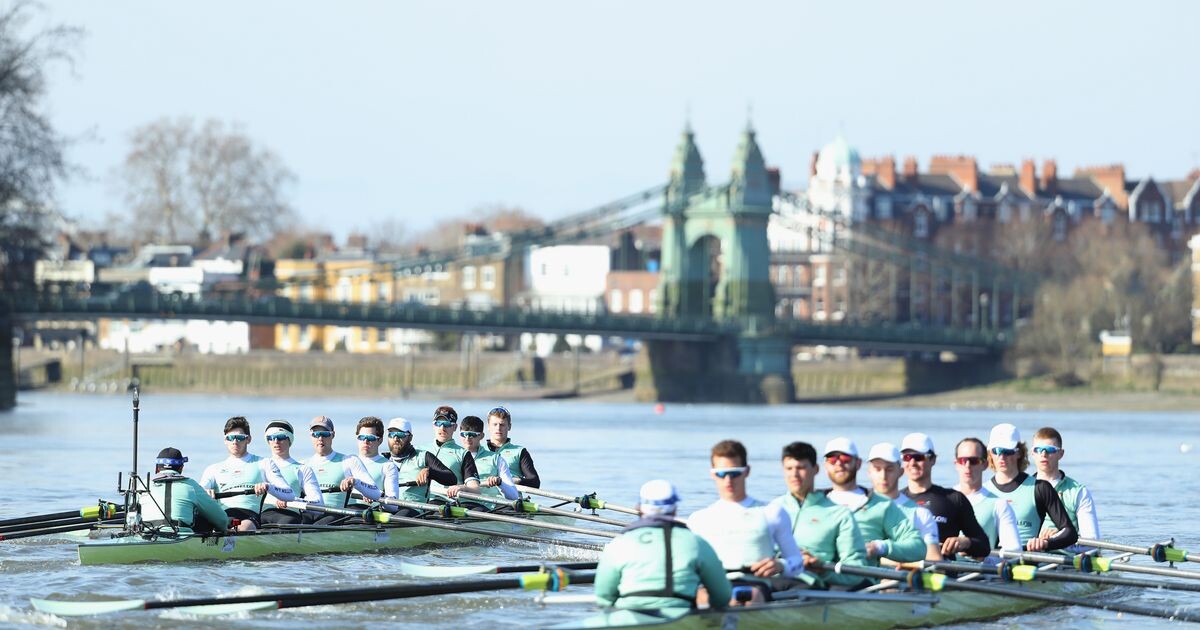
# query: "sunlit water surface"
{"points": [[63, 451]]}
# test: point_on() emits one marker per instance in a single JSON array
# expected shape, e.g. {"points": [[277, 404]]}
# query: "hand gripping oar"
{"points": [[588, 501], [1030, 573], [920, 580], [529, 507], [1091, 564], [432, 571], [1158, 552], [102, 510], [555, 580], [454, 511]]}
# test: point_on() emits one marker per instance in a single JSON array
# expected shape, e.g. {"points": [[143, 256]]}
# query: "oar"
{"points": [[12, 529], [241, 492], [432, 571], [60, 529], [394, 519], [588, 501], [1091, 564], [938, 582], [1030, 573], [551, 581], [102, 510], [1159, 552], [529, 507], [454, 511]]}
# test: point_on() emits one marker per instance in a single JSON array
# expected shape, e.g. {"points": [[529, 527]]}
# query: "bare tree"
{"points": [[31, 150], [389, 236], [185, 183]]}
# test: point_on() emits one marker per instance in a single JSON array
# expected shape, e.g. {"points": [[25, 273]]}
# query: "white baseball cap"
{"points": [[658, 497], [1004, 436], [841, 445], [885, 451], [918, 442], [399, 424]]}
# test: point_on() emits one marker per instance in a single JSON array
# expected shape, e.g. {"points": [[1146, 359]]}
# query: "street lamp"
{"points": [[983, 312]]}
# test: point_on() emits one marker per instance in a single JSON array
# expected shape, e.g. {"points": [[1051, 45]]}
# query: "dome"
{"points": [[838, 161]]}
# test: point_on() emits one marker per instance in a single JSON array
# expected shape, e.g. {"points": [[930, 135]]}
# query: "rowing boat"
{"points": [[114, 548], [850, 610]]}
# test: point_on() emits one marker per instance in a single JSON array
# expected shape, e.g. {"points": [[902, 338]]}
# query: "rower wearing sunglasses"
{"points": [[380, 469], [336, 473], [1047, 453], [299, 477], [996, 517], [484, 472], [520, 462], [749, 536], [243, 471], [824, 530], [415, 467], [1032, 499], [443, 447], [884, 469], [957, 528]]}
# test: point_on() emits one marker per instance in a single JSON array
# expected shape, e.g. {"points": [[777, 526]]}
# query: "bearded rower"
{"points": [[746, 533], [336, 473], [178, 503], [1032, 499], [483, 471], [657, 562], [996, 517], [824, 530], [957, 528], [414, 467], [911, 531], [299, 477], [520, 462], [1047, 453], [243, 471], [443, 447]]}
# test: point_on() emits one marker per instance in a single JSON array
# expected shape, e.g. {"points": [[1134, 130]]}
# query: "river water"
{"points": [[60, 452]]}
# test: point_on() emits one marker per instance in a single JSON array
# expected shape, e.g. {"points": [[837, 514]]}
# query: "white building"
{"points": [[155, 335], [565, 279]]}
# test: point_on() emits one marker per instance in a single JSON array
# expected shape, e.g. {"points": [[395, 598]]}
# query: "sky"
{"points": [[428, 111]]}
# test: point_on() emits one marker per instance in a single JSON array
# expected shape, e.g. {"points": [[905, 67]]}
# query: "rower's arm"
{"points": [[607, 582], [507, 487], [354, 469], [207, 507], [438, 471], [1085, 514], [1006, 521], [277, 486], [904, 541], [851, 549], [468, 468], [310, 486], [529, 474], [712, 574], [1048, 501], [970, 527], [779, 524]]}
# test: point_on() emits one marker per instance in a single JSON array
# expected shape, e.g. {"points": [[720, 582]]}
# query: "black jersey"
{"points": [[1048, 503], [953, 514]]}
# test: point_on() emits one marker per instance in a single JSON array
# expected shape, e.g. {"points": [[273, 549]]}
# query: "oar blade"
{"points": [[83, 609], [213, 610], [431, 571]]}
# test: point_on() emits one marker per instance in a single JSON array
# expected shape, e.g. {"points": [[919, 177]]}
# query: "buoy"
{"points": [[1185, 448], [659, 408]]}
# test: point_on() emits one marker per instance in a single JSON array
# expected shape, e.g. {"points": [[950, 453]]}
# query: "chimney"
{"points": [[1111, 178], [1050, 177], [910, 169], [1028, 178], [962, 168], [774, 179], [886, 175], [812, 166]]}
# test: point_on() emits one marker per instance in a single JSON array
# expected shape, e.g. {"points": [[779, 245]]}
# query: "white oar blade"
{"points": [[430, 571], [80, 609], [227, 609]]}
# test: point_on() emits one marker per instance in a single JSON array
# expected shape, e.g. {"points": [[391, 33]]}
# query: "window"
{"points": [[1060, 226], [306, 292], [468, 277], [363, 334], [782, 277], [653, 299], [839, 275], [921, 224], [635, 301], [883, 208], [819, 308], [305, 337], [819, 275], [365, 296], [543, 270], [489, 277], [385, 292], [1004, 214], [614, 301], [343, 290]]}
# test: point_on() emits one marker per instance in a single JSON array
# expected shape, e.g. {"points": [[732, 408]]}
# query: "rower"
{"points": [[484, 472], [243, 471], [179, 501], [746, 533], [1047, 453], [380, 469], [1031, 499], [824, 530], [299, 477], [520, 462], [414, 466], [336, 473], [883, 468], [657, 563], [957, 528], [995, 517], [443, 446]]}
